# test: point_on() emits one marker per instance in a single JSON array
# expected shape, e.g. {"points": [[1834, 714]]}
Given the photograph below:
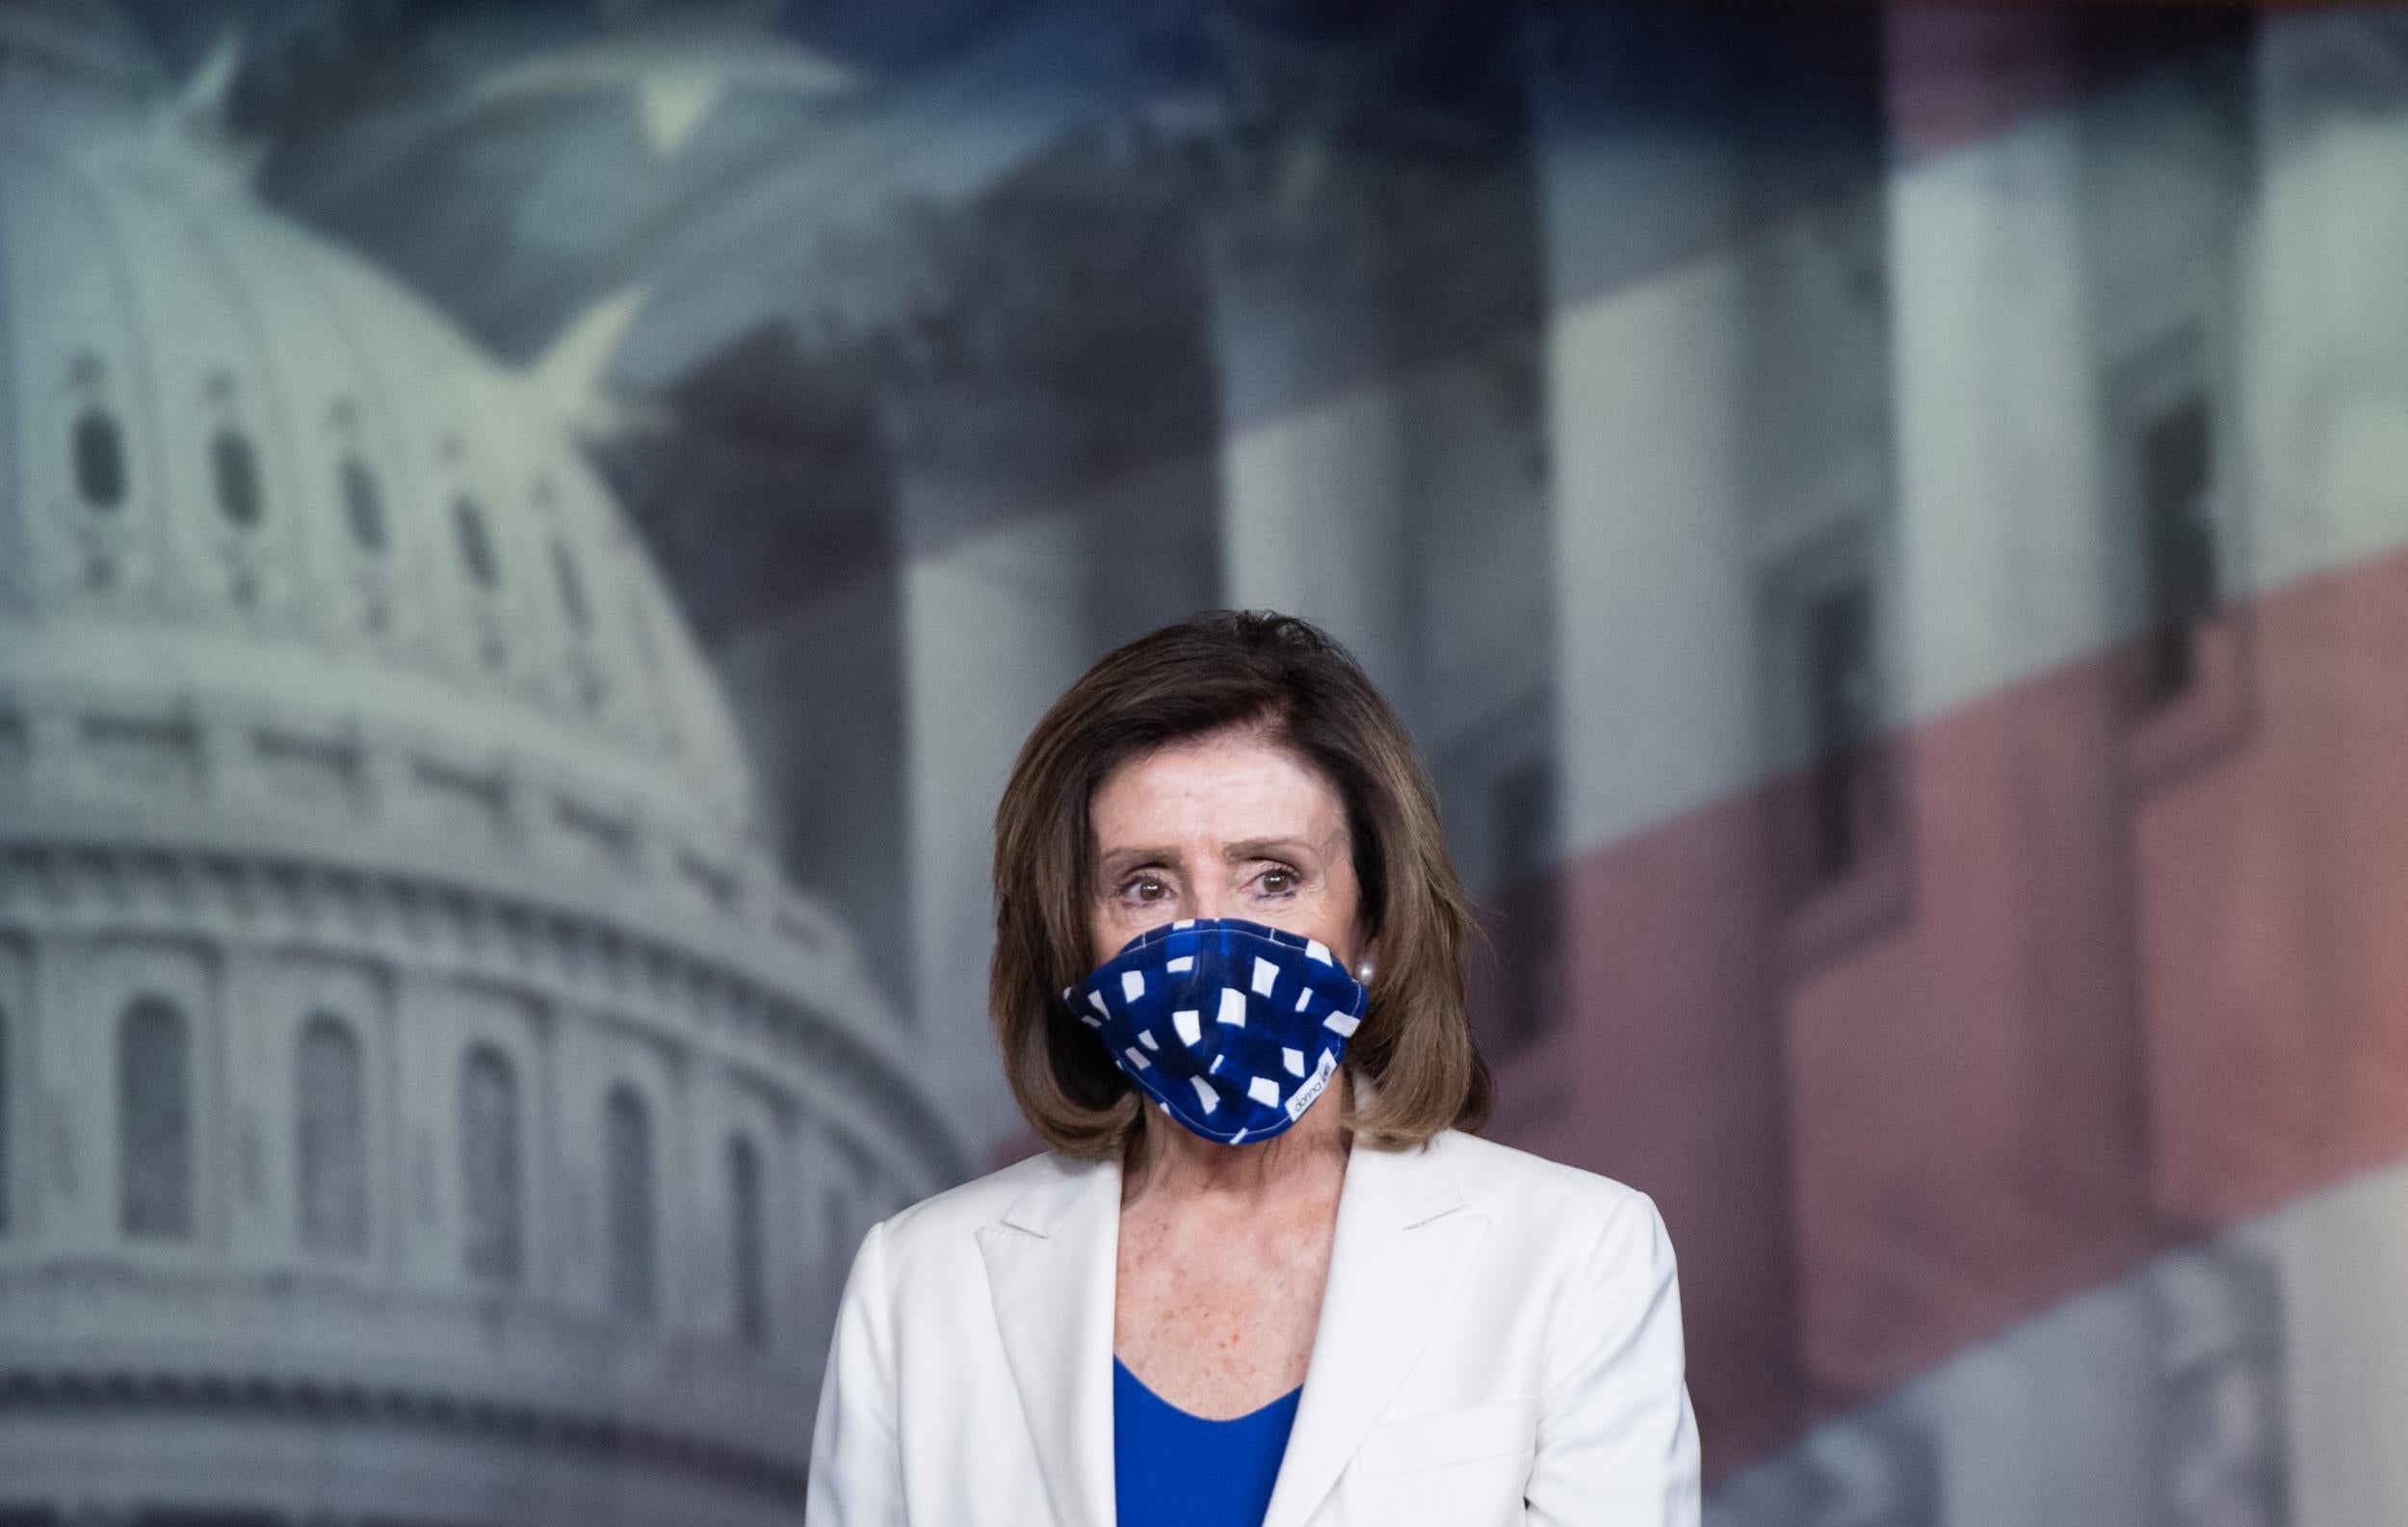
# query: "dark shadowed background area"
{"points": [[530, 534]]}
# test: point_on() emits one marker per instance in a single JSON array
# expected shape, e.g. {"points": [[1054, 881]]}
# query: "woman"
{"points": [[1265, 1276]]}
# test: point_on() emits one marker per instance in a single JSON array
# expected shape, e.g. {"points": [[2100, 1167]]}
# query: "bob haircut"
{"points": [[1215, 672]]}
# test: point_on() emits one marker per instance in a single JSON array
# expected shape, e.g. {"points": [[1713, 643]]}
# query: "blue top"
{"points": [[1171, 1468]]}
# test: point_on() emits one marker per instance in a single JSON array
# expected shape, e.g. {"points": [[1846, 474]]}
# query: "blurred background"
{"points": [[530, 534]]}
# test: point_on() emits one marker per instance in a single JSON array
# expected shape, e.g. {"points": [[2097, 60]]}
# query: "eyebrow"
{"points": [[1267, 848], [1248, 849]]}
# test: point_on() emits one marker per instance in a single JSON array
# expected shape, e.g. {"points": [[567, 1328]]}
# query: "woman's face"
{"points": [[1227, 824]]}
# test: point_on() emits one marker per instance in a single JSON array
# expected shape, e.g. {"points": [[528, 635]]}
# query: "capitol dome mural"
{"points": [[421, 1098]]}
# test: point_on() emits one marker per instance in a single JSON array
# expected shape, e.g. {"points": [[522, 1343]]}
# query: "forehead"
{"points": [[1231, 784]]}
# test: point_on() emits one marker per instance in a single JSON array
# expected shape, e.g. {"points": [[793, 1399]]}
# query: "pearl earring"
{"points": [[1363, 972]]}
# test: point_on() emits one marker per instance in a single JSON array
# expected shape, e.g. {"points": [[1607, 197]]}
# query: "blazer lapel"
{"points": [[1050, 1268], [1403, 1245]]}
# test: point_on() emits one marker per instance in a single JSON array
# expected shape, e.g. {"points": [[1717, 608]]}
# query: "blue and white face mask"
{"points": [[1232, 1027]]}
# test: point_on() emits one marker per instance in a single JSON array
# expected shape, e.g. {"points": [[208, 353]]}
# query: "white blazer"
{"points": [[1500, 1342]]}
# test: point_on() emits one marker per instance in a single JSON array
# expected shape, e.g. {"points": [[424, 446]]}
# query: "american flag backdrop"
{"points": [[531, 533]]}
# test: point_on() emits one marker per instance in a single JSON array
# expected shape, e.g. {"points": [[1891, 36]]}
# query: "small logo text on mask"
{"points": [[1312, 1088]]}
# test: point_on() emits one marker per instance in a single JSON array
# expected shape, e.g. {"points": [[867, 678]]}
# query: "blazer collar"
{"points": [[1403, 1247], [1404, 1243], [1050, 1269]]}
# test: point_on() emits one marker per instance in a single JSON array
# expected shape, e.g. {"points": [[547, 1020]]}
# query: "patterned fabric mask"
{"points": [[1232, 1027]]}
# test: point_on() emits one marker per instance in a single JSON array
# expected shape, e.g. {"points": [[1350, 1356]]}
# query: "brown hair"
{"points": [[1220, 670]]}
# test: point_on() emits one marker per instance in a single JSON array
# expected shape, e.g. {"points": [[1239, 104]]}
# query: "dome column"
{"points": [[994, 580], [1659, 718], [1314, 507], [1048, 401], [1308, 331]]}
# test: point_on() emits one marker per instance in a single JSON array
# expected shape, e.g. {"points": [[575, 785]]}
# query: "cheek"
{"points": [[1102, 942], [1327, 914], [1110, 925], [1340, 912]]}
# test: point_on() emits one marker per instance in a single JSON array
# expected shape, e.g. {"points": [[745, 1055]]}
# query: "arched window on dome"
{"points": [[330, 1144], [363, 504], [475, 542], [627, 1162], [99, 449], [572, 588], [746, 1246], [234, 467], [838, 1237], [5, 1199], [154, 1120], [489, 1196]]}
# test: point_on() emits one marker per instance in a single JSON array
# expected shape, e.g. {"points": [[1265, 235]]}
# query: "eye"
{"points": [[1144, 888], [1276, 881]]}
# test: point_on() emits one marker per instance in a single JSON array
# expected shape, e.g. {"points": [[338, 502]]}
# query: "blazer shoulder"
{"points": [[1529, 1188]]}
